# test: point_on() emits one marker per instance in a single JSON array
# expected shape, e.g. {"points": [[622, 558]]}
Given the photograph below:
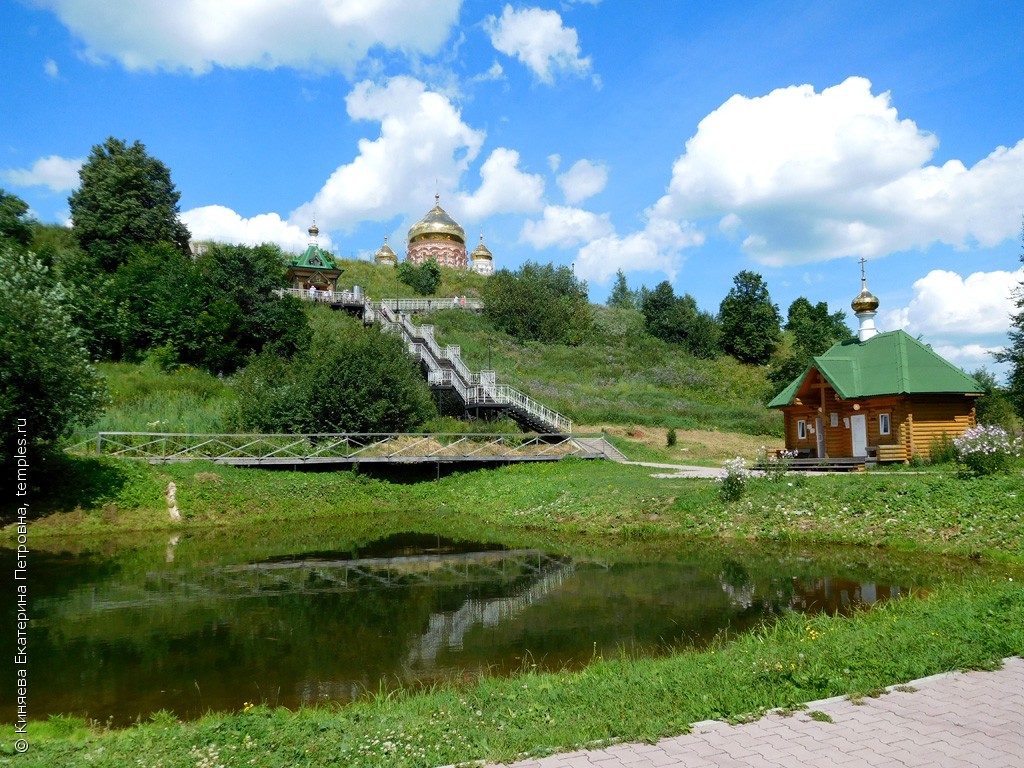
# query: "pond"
{"points": [[191, 625]]}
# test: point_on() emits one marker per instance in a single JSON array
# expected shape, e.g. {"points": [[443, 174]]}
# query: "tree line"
{"points": [[121, 284]]}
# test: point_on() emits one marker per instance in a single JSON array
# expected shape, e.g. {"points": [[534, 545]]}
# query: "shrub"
{"points": [[988, 450], [775, 464], [670, 437], [942, 450], [733, 480], [350, 379], [47, 385], [539, 303]]}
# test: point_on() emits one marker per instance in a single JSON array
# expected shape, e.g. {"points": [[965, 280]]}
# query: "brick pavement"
{"points": [[955, 720]]}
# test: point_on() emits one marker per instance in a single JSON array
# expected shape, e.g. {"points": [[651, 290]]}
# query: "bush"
{"points": [[350, 379], [988, 450], [423, 279], [942, 450], [670, 437], [46, 378], [540, 303], [733, 480], [775, 464]]}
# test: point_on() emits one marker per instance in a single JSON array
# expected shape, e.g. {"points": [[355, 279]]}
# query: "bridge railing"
{"points": [[323, 296], [166, 447], [431, 305]]}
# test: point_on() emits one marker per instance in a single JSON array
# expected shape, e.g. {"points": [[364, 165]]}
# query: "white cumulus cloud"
{"points": [[196, 35], [539, 40], [58, 174], [423, 146], [817, 176], [656, 248], [585, 179], [51, 69], [565, 227], [946, 304], [504, 188], [223, 225]]}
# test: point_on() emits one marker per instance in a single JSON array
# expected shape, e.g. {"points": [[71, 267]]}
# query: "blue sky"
{"points": [[673, 140]]}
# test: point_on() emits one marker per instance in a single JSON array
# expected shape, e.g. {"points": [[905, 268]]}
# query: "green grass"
{"points": [[382, 281], [967, 626], [147, 399], [934, 512], [622, 376], [967, 622]]}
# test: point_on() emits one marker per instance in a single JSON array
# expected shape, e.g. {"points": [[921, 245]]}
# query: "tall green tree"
{"points": [[539, 303], [1014, 353], [994, 407], [45, 375], [126, 199], [750, 322], [15, 223], [677, 319], [812, 330], [213, 312], [621, 296]]}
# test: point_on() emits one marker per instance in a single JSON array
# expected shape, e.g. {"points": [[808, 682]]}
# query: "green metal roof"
{"points": [[892, 363], [314, 257]]}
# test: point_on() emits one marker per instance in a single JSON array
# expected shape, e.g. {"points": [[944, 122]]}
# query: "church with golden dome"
{"points": [[438, 236], [884, 396]]}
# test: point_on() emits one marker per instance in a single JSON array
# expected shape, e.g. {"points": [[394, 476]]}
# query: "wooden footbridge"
{"points": [[343, 449]]}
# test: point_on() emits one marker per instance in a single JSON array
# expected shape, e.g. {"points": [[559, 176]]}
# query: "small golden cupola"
{"points": [[482, 259], [385, 254], [865, 307]]}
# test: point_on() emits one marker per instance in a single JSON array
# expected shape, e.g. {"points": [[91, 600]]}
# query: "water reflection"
{"points": [[124, 637]]}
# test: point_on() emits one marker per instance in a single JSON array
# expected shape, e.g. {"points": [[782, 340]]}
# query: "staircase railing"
{"points": [[475, 389]]}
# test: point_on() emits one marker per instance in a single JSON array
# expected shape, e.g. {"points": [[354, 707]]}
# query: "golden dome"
{"points": [[385, 253], [437, 225], [314, 230], [481, 251], [865, 301]]}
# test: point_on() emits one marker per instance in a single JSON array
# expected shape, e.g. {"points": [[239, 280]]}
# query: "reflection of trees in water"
{"points": [[325, 625]]}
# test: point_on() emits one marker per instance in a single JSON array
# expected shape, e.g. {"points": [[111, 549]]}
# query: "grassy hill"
{"points": [[620, 378], [380, 281]]}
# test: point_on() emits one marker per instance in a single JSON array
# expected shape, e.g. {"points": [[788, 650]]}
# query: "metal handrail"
{"points": [[468, 384], [175, 447]]}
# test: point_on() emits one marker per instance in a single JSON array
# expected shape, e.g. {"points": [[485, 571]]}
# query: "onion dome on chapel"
{"points": [[865, 307], [385, 254], [483, 259], [865, 301]]}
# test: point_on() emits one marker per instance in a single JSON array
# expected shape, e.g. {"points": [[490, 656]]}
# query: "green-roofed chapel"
{"points": [[315, 269], [883, 395]]}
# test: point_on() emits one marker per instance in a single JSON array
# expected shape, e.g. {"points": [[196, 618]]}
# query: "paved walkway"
{"points": [[678, 470], [956, 720]]}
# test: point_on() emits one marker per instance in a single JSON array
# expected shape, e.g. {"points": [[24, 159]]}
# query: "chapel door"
{"points": [[859, 434], [819, 432]]}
